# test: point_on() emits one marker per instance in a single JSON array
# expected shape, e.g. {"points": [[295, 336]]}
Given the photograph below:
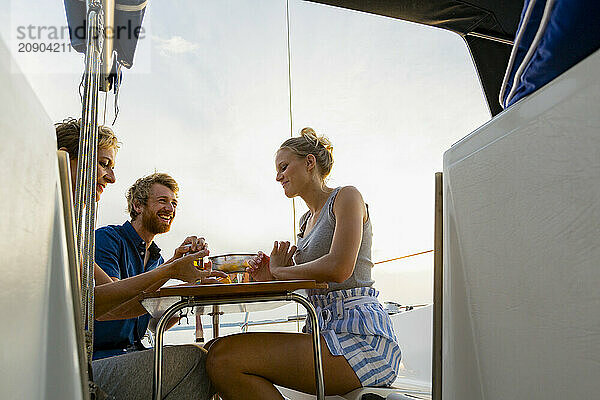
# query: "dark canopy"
{"points": [[488, 27]]}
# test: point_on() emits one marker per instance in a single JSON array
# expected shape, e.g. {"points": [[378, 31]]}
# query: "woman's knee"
{"points": [[217, 353], [220, 359]]}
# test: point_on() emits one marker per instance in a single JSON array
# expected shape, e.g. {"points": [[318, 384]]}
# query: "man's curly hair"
{"points": [[139, 192]]}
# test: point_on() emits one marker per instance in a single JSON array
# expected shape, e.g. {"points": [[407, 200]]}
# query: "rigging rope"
{"points": [[105, 102], [399, 258], [289, 61]]}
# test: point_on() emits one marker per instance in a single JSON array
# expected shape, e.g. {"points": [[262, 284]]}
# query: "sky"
{"points": [[207, 101]]}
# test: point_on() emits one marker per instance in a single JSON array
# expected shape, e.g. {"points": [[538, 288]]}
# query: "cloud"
{"points": [[175, 45]]}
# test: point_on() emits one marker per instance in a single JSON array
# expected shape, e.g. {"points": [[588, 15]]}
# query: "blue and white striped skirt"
{"points": [[355, 325]]}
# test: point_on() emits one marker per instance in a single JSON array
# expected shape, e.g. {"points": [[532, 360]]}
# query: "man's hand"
{"points": [[191, 244], [212, 277], [185, 269]]}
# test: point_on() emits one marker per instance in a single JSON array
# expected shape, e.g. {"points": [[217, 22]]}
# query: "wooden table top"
{"points": [[234, 289]]}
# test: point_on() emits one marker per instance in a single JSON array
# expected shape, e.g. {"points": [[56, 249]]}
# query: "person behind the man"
{"points": [[129, 376], [118, 299]]}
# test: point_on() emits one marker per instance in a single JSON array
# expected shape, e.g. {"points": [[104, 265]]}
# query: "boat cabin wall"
{"points": [[39, 345], [521, 248]]}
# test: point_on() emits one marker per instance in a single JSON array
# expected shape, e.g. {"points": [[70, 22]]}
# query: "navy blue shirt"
{"points": [[120, 252]]}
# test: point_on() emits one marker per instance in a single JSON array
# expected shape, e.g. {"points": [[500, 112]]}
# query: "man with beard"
{"points": [[127, 250], [121, 366]]}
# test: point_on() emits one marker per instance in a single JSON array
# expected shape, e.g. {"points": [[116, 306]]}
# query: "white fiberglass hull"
{"points": [[521, 248]]}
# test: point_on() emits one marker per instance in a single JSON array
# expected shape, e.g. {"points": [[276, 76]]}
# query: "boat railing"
{"points": [[391, 307]]}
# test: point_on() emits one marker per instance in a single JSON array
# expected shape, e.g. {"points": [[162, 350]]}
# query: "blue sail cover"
{"points": [[548, 45], [129, 15]]}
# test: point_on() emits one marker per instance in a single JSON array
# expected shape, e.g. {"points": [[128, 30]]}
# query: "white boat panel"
{"points": [[39, 347], [414, 331], [521, 248]]}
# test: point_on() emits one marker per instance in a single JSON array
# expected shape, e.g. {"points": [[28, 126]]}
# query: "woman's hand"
{"points": [[281, 257], [259, 268]]}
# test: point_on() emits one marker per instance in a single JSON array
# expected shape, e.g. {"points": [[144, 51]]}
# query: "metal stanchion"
{"points": [[108, 48]]}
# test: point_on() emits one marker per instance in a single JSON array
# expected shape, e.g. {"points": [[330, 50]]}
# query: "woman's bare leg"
{"points": [[246, 365]]}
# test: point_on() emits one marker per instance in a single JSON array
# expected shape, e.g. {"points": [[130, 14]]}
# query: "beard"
{"points": [[153, 224]]}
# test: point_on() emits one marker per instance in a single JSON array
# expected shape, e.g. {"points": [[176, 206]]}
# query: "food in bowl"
{"points": [[231, 263]]}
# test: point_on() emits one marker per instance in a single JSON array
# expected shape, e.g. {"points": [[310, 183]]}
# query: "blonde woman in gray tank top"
{"points": [[334, 246]]}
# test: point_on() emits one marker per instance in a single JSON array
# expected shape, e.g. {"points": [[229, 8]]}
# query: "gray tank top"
{"points": [[317, 243]]}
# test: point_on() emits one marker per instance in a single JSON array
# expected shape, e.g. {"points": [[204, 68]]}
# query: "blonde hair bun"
{"points": [[311, 136]]}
